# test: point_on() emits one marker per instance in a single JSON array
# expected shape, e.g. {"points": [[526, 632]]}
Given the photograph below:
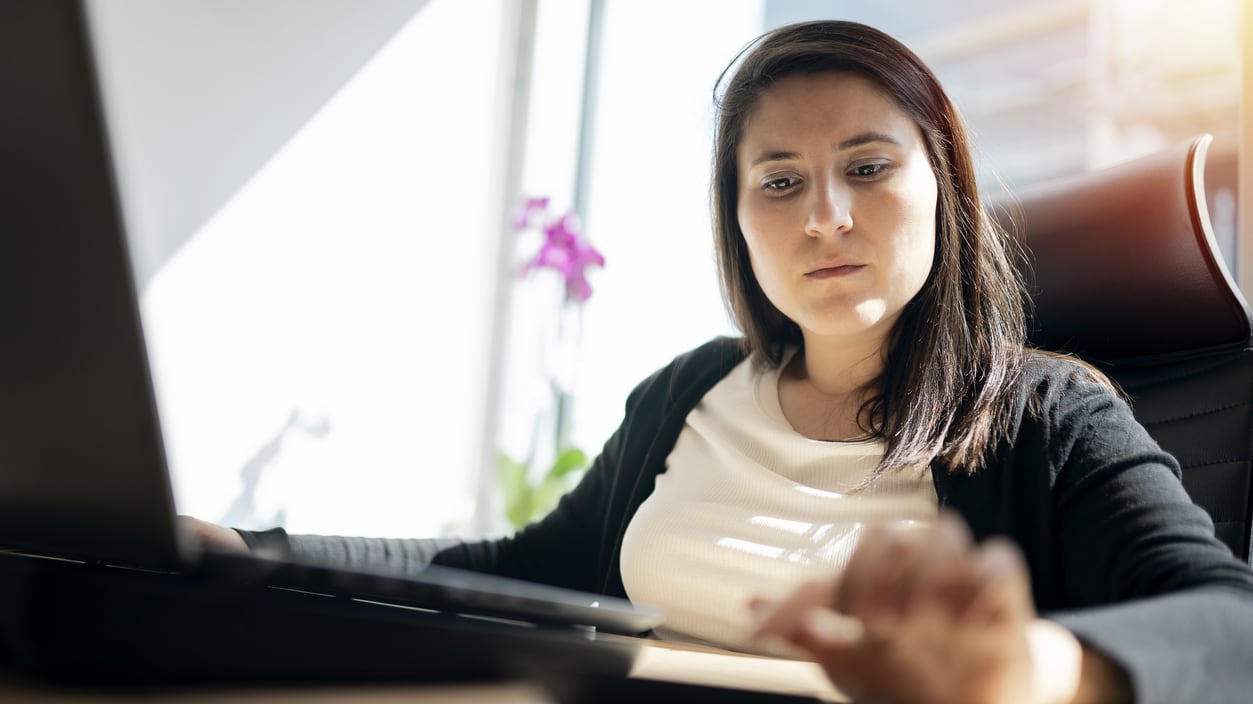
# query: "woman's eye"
{"points": [[868, 171], [779, 183]]}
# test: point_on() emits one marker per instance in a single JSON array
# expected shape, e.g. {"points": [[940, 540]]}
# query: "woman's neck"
{"points": [[823, 387], [838, 368]]}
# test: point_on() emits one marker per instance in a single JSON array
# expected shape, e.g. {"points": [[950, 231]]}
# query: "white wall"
{"points": [[308, 187]]}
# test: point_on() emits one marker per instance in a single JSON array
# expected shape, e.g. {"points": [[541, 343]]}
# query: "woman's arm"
{"points": [[1143, 579]]}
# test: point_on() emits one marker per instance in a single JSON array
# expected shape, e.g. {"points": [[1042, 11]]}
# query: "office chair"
{"points": [[1124, 272]]}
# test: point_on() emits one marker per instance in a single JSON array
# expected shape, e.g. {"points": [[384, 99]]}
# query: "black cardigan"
{"points": [[1117, 552]]}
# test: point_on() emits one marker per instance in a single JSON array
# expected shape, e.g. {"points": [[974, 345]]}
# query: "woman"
{"points": [[882, 376]]}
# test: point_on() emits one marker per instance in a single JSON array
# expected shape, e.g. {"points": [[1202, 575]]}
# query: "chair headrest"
{"points": [[1123, 262]]}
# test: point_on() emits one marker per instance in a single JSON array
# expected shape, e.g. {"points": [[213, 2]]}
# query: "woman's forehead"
{"points": [[835, 106]]}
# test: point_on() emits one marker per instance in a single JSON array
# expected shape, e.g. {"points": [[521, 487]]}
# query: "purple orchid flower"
{"points": [[565, 251], [532, 212]]}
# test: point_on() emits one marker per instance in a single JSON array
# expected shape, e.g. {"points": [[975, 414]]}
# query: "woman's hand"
{"points": [[927, 616], [212, 536]]}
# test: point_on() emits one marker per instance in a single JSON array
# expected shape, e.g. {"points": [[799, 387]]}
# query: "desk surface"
{"points": [[657, 661]]}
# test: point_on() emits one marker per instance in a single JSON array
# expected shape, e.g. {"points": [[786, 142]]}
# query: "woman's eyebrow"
{"points": [[867, 138], [856, 141], [773, 156]]}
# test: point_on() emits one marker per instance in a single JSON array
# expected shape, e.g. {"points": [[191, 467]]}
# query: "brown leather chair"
{"points": [[1125, 273]]}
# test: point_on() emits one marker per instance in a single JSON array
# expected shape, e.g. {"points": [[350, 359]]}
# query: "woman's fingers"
{"points": [[211, 536], [836, 643], [917, 614], [896, 569], [782, 619], [936, 575], [1003, 587], [894, 572], [872, 568]]}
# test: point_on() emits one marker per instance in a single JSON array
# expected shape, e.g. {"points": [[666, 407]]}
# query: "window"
{"points": [[311, 210]]}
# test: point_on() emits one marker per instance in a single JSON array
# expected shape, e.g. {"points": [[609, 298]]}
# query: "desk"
{"points": [[657, 661]]}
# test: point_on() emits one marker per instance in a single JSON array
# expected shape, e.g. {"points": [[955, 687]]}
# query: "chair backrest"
{"points": [[1125, 273]]}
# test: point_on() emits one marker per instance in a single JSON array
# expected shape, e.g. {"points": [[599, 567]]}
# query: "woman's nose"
{"points": [[830, 211]]}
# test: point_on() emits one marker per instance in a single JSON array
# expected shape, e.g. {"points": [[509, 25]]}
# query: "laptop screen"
{"points": [[82, 469]]}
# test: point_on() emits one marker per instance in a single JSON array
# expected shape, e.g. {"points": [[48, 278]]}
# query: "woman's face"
{"points": [[837, 202]]}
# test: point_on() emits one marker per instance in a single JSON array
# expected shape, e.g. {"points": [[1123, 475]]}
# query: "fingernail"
{"points": [[998, 561], [831, 627]]}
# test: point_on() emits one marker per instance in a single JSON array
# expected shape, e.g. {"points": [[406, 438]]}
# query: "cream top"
{"points": [[748, 506]]}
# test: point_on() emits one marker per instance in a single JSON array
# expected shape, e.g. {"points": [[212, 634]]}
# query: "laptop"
{"points": [[96, 581]]}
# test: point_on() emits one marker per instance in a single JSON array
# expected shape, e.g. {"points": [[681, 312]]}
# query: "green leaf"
{"points": [[526, 501], [518, 497], [521, 509], [567, 462], [547, 494], [512, 476]]}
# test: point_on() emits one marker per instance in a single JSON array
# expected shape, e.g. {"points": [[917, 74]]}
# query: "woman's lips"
{"points": [[828, 272]]}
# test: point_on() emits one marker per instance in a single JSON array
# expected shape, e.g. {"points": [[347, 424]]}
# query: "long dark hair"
{"points": [[954, 359]]}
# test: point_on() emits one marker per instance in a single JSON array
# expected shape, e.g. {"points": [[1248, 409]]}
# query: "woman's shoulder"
{"points": [[1045, 365], [1051, 379], [720, 353], [715, 357]]}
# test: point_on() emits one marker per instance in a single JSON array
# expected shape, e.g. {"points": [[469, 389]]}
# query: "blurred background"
{"points": [[320, 196]]}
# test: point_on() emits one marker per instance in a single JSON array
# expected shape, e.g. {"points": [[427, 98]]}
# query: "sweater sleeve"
{"points": [[1159, 593], [560, 549], [394, 556]]}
